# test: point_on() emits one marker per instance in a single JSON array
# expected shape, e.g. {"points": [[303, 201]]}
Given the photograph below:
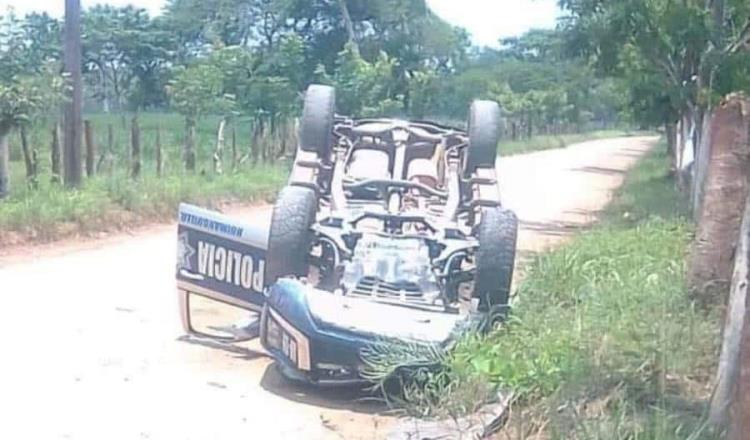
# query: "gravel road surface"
{"points": [[92, 345]]}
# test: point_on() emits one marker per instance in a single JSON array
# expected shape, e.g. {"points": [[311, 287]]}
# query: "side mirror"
{"points": [[209, 318]]}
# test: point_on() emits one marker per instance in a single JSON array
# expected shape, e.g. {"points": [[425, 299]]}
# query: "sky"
{"points": [[486, 20]]}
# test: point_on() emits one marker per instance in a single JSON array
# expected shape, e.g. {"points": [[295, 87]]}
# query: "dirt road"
{"points": [[92, 346]]}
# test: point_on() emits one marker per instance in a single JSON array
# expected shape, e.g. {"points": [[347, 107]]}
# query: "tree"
{"points": [[680, 48], [42, 35], [21, 99], [126, 54], [29, 84], [195, 91], [363, 88]]}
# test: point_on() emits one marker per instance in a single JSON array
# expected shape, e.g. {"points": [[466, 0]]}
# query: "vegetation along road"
{"points": [[117, 339]]}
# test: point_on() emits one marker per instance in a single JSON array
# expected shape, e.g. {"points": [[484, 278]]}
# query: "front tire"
{"points": [[290, 237], [495, 260]]}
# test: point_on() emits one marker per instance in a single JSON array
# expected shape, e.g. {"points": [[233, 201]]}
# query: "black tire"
{"points": [[316, 125], [484, 134], [495, 259], [290, 237]]}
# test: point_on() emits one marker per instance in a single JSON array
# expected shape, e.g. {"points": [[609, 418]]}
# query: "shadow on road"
{"points": [[555, 228], [600, 170], [356, 399], [242, 352]]}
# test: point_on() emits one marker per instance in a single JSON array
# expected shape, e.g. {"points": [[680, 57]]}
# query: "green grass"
{"points": [[172, 128], [113, 201], [547, 142], [603, 342]]}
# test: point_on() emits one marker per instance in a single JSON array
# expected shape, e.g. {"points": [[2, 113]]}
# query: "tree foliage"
{"points": [[643, 59], [676, 56], [199, 89], [29, 82]]}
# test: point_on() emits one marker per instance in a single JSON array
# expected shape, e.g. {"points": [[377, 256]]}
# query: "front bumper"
{"points": [[317, 337]]}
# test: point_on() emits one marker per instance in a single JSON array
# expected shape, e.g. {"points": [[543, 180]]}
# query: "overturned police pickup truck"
{"points": [[387, 230]]}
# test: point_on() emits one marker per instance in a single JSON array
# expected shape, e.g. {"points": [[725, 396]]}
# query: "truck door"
{"points": [[220, 266]]}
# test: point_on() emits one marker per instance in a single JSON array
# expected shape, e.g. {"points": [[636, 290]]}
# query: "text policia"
{"points": [[230, 266]]}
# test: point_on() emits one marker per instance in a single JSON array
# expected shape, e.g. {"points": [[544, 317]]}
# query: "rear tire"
{"points": [[495, 260], [484, 135], [316, 125], [290, 237]]}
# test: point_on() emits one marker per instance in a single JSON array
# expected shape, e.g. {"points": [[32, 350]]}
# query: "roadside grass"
{"points": [[111, 202], [603, 342], [548, 142], [171, 125]]}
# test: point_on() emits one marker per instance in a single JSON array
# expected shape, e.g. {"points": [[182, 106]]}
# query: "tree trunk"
{"points": [[190, 144], [273, 138], [135, 144], [88, 132], [4, 163], [56, 154], [286, 137], [348, 24], [740, 414], [219, 151], [718, 11], [710, 265], [105, 93], [107, 156], [700, 167], [73, 107], [686, 136], [29, 158], [26, 153], [728, 371], [159, 156], [670, 129]]}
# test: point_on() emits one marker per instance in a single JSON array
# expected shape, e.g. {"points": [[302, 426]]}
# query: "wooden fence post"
{"points": [[189, 152], [159, 154], [107, 155], [110, 138], [219, 151], [4, 162], [88, 134], [135, 148], [29, 158], [56, 154], [234, 146], [259, 151]]}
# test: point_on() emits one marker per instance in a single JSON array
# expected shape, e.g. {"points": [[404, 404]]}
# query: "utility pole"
{"points": [[72, 117]]}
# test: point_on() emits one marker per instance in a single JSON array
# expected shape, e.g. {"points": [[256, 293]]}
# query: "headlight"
{"points": [[282, 336]]}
